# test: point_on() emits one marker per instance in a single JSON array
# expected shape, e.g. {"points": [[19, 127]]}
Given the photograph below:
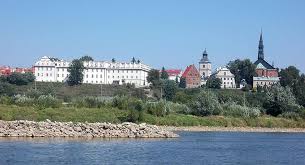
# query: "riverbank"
{"points": [[24, 128], [232, 129]]}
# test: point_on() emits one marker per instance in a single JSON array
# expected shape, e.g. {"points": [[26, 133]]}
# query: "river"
{"points": [[190, 148]]}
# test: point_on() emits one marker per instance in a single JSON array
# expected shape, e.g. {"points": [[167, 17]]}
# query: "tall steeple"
{"points": [[204, 56], [261, 47]]}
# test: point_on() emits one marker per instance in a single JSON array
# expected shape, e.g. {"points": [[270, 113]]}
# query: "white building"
{"points": [[226, 77], [96, 72], [174, 74], [205, 67]]}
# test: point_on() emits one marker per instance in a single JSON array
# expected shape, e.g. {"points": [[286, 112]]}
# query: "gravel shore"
{"points": [[23, 128], [232, 129]]}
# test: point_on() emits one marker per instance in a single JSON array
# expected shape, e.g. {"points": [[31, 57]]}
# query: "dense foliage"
{"points": [[213, 82], [76, 73], [242, 69]]}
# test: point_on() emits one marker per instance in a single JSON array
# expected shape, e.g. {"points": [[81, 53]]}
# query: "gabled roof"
{"points": [[188, 69], [261, 63]]}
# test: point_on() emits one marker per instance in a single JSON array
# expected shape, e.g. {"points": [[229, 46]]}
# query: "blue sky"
{"points": [[170, 33]]}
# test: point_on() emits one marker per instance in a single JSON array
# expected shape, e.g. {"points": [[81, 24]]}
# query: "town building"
{"points": [[174, 74], [267, 75], [205, 67], [49, 69], [192, 77], [226, 77], [6, 70]]}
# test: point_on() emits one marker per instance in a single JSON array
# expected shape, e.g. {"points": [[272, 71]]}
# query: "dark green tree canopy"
{"points": [[289, 76], [182, 83], [86, 58], [214, 82], [76, 72], [153, 76], [20, 78], [164, 74], [170, 89], [242, 69]]}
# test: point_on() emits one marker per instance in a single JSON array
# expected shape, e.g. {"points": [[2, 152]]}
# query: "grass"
{"points": [[114, 115], [62, 90]]}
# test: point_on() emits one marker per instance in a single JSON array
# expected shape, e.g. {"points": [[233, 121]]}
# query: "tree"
{"points": [[164, 74], [299, 90], [242, 69], [29, 76], [205, 104], [153, 77], [213, 82], [170, 89], [18, 79], [280, 100], [289, 76], [182, 83], [86, 58], [6, 89], [76, 72]]}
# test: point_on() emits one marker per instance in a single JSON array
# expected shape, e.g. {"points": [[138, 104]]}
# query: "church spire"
{"points": [[261, 47]]}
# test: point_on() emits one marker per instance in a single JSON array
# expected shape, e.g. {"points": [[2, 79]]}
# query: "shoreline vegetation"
{"points": [[173, 121]]}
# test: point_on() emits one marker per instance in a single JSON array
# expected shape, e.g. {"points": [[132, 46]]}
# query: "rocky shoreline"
{"points": [[23, 128], [232, 129]]}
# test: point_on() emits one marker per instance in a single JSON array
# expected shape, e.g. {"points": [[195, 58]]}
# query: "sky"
{"points": [[169, 33]]}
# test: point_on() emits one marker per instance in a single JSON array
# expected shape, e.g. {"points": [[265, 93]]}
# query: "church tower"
{"points": [[260, 54], [205, 67]]}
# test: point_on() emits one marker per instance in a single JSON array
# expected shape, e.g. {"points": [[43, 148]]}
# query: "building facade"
{"points": [[267, 75], [226, 77], [96, 72], [192, 77], [174, 74]]}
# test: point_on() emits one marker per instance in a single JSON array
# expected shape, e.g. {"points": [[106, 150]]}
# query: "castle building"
{"points": [[49, 69], [192, 77], [267, 75]]}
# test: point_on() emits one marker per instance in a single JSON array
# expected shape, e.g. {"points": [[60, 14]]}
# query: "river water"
{"points": [[191, 148]]}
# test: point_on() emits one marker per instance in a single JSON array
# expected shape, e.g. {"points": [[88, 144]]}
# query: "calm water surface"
{"points": [[191, 148]]}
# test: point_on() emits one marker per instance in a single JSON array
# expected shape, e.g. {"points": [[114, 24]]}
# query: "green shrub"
{"points": [[178, 108], [157, 108], [24, 101], [6, 100], [235, 110], [89, 102], [120, 102], [47, 101], [32, 93], [290, 115], [205, 104]]}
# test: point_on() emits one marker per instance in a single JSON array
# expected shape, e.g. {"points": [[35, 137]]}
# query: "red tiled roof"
{"points": [[173, 72], [186, 71]]}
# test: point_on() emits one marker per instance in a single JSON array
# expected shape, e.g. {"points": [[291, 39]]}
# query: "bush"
{"points": [[280, 100], [235, 110], [6, 100], [47, 101], [89, 102], [205, 104], [157, 108], [178, 108], [32, 93], [120, 102], [6, 89], [20, 79], [24, 101], [290, 115]]}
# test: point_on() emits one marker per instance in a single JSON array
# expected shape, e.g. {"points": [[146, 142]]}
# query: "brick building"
{"points": [[192, 77], [267, 75]]}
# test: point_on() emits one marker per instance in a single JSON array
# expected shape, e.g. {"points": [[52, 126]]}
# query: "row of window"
{"points": [[92, 70], [270, 83], [226, 78], [228, 83]]}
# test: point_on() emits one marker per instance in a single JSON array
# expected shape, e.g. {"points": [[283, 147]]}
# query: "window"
{"points": [[57, 75], [37, 74], [92, 76], [203, 66], [62, 75], [101, 76], [224, 78], [86, 76], [224, 73], [112, 71]]}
